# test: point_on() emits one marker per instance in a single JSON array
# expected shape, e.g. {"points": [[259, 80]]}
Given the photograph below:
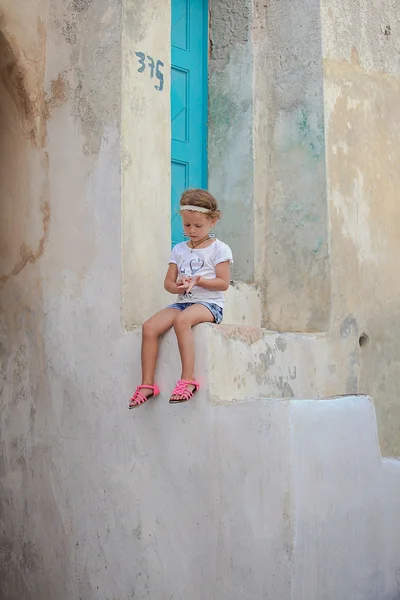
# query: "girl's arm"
{"points": [[170, 281], [219, 284]]}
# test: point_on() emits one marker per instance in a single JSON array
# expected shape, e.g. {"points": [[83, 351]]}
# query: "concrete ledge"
{"points": [[240, 363], [258, 499]]}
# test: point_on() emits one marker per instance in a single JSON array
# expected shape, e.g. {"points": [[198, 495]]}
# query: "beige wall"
{"points": [[361, 137], [198, 494], [362, 113], [327, 92], [24, 197], [60, 274], [146, 152]]}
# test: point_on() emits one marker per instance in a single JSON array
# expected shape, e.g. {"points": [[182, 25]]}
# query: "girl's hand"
{"points": [[183, 282], [194, 281]]}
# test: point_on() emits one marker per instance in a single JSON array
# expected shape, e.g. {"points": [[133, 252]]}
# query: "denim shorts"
{"points": [[216, 311]]}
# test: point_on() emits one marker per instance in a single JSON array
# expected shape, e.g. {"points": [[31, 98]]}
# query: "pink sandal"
{"points": [[138, 398], [181, 390]]}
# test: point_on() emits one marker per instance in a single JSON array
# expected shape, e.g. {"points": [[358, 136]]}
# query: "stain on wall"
{"points": [[24, 203], [231, 160], [92, 68], [296, 288]]}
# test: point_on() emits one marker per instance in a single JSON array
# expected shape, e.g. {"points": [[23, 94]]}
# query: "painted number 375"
{"points": [[155, 68]]}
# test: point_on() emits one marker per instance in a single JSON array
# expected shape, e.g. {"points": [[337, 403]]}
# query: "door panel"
{"points": [[189, 97]]}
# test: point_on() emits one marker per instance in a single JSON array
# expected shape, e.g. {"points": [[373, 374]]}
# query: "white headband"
{"points": [[195, 208]]}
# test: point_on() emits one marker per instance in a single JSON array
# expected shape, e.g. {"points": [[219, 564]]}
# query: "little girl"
{"points": [[199, 272]]}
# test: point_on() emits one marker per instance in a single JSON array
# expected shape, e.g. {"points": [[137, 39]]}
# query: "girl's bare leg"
{"points": [[160, 323], [183, 323]]}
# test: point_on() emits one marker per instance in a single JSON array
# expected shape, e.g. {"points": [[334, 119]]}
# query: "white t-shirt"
{"points": [[200, 262]]}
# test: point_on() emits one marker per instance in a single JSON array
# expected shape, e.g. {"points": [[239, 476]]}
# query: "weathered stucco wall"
{"points": [[361, 43], [326, 125], [60, 276], [215, 499], [146, 151], [231, 160], [296, 287], [24, 199]]}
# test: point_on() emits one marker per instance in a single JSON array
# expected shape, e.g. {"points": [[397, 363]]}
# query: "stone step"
{"points": [[235, 363]]}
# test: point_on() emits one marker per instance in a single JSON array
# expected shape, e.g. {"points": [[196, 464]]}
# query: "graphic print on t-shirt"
{"points": [[196, 264], [202, 264], [185, 296]]}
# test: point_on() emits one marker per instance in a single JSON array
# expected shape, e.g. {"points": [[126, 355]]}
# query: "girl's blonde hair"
{"points": [[203, 199]]}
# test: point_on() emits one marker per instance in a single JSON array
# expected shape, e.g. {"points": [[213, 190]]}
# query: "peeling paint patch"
{"points": [[229, 26], [59, 94], [267, 357], [354, 373], [23, 78], [287, 391], [311, 133], [29, 256], [349, 326], [247, 335], [74, 15], [281, 344]]}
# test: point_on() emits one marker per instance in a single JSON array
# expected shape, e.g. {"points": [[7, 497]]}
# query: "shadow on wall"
{"points": [[24, 223], [16, 551], [24, 202]]}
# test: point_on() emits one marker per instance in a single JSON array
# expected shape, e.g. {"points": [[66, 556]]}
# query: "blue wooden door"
{"points": [[189, 98]]}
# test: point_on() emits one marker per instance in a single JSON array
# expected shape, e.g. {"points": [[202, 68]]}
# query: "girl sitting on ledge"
{"points": [[199, 272]]}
